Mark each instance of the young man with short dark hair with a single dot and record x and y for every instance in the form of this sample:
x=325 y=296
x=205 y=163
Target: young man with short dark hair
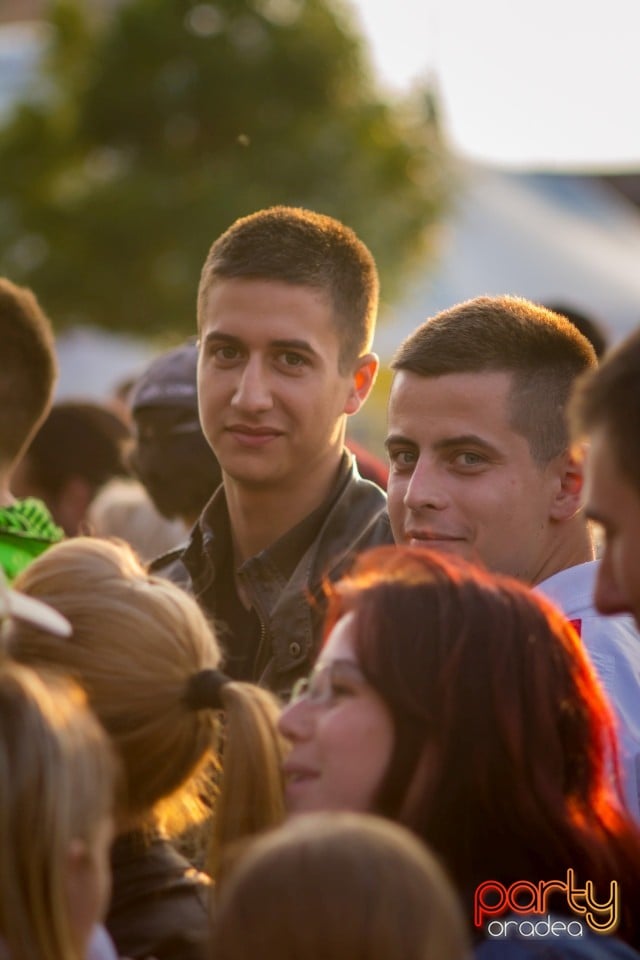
x=286 y=313
x=481 y=466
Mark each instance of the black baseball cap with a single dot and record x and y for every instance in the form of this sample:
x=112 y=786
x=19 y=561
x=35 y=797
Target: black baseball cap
x=169 y=381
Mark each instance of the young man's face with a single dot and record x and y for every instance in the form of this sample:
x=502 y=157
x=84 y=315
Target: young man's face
x=461 y=479
x=271 y=396
x=615 y=504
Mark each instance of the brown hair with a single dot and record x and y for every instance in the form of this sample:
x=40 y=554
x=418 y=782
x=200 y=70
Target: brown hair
x=542 y=351
x=338 y=886
x=57 y=776
x=298 y=246
x=504 y=741
x=138 y=642
x=610 y=397
x=29 y=368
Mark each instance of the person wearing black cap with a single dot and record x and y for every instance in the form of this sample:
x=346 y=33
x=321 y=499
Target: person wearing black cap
x=170 y=455
x=286 y=312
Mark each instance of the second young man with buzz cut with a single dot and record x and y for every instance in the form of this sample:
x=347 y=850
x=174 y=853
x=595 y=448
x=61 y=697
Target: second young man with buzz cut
x=286 y=314
x=481 y=466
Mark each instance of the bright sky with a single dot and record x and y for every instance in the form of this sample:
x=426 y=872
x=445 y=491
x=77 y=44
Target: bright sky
x=553 y=84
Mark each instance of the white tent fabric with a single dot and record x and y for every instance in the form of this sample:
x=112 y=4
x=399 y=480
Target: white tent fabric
x=542 y=236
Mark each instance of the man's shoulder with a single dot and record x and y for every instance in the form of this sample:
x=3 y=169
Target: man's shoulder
x=357 y=521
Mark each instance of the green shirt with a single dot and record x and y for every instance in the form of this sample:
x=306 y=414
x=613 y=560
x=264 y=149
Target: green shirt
x=26 y=530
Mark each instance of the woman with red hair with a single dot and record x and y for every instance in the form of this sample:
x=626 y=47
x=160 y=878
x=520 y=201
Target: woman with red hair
x=464 y=707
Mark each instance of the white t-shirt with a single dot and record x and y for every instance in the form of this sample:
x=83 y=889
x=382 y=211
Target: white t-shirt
x=613 y=645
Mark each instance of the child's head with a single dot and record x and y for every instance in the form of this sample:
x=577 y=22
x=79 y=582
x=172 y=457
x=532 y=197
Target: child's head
x=338 y=886
x=56 y=803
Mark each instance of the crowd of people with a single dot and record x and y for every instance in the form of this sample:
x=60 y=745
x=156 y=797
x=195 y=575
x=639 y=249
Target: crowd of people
x=261 y=695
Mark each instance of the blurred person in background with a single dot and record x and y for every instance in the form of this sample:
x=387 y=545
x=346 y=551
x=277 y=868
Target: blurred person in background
x=588 y=326
x=28 y=373
x=123 y=509
x=79 y=446
x=169 y=454
x=606 y=410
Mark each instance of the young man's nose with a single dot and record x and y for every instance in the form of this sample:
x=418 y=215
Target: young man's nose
x=425 y=488
x=253 y=391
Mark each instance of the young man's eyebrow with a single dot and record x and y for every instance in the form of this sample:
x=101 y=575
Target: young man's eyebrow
x=464 y=440
x=293 y=345
x=216 y=337
x=394 y=438
x=219 y=336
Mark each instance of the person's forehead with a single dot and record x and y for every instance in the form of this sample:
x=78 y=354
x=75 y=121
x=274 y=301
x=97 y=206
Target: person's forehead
x=480 y=397
x=269 y=312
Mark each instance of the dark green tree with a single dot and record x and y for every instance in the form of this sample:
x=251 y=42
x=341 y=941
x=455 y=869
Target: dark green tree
x=159 y=124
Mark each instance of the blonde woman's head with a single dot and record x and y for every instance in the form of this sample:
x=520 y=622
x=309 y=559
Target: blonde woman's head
x=138 y=644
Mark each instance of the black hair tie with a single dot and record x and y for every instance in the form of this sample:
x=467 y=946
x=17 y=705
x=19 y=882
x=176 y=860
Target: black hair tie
x=204 y=690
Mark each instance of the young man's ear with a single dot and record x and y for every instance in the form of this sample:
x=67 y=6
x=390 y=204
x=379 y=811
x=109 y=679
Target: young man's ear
x=362 y=380
x=567 y=500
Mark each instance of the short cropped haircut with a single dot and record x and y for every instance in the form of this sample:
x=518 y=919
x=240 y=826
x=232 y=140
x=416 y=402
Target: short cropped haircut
x=542 y=351
x=609 y=397
x=29 y=369
x=297 y=246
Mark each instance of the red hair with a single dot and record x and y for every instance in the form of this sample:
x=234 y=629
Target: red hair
x=504 y=741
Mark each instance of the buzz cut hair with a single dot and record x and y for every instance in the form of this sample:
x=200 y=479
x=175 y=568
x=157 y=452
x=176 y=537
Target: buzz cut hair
x=297 y=246
x=542 y=351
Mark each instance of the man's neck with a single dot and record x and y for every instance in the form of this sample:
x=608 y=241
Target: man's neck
x=575 y=547
x=260 y=516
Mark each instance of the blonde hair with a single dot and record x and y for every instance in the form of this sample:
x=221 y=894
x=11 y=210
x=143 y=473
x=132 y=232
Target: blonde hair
x=56 y=785
x=338 y=886
x=138 y=643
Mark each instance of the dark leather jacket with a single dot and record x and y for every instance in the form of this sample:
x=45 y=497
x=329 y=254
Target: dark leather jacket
x=159 y=903
x=290 y=611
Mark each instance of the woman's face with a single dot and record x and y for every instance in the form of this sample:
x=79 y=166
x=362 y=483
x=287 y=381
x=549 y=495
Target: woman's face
x=340 y=731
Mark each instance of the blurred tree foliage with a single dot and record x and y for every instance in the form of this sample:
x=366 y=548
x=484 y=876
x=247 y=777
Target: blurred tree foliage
x=159 y=124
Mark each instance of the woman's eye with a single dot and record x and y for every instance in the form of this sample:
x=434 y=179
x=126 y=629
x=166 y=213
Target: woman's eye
x=339 y=689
